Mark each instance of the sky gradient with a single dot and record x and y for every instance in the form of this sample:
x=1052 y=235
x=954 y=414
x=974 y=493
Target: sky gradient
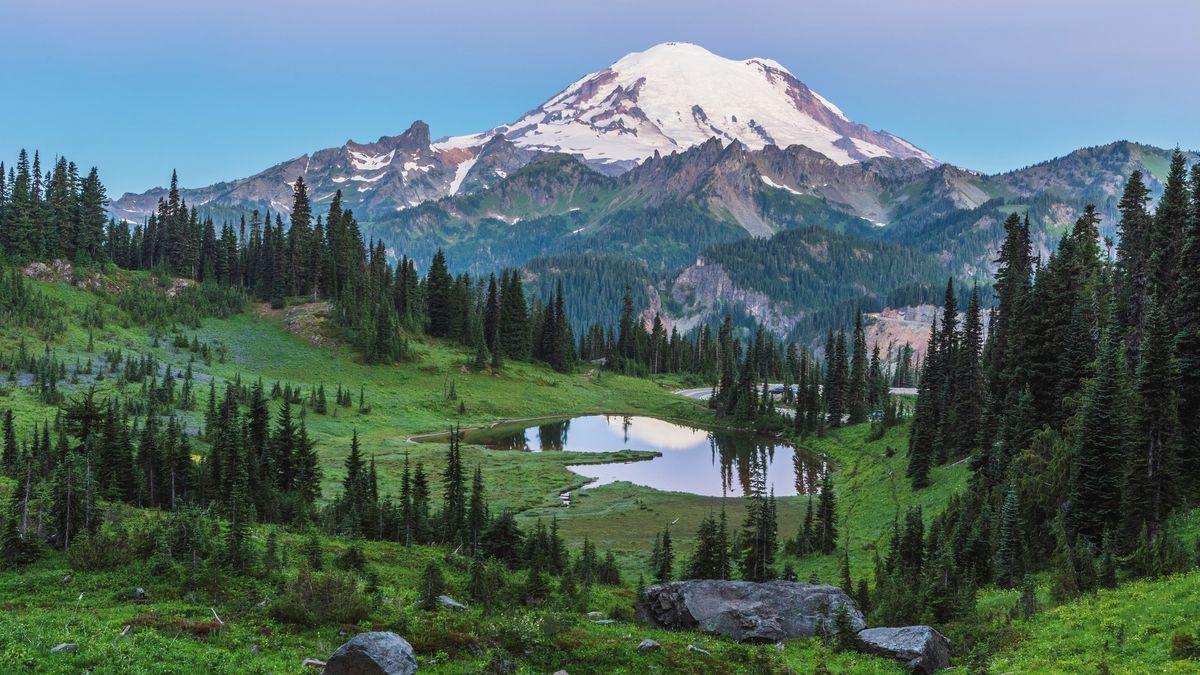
x=223 y=89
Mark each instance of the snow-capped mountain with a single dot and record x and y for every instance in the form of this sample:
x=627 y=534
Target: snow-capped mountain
x=668 y=98
x=678 y=95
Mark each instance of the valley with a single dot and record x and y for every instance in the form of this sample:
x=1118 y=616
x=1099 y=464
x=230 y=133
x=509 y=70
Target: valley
x=681 y=370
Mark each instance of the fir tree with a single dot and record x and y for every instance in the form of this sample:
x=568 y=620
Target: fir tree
x=1095 y=483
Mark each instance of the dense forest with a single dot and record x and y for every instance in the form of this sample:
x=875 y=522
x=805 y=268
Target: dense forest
x=1079 y=413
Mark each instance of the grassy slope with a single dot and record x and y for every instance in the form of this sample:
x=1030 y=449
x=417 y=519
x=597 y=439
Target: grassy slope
x=1126 y=630
x=40 y=610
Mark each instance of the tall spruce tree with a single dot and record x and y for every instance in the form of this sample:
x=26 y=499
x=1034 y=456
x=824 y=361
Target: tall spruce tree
x=1102 y=446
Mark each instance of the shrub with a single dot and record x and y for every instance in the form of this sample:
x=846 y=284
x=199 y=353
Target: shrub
x=108 y=548
x=1184 y=645
x=317 y=599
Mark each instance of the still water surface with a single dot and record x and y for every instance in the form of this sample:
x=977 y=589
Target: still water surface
x=694 y=460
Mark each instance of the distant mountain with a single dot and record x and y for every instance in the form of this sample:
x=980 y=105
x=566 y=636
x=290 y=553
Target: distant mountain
x=678 y=95
x=669 y=98
x=710 y=185
x=376 y=179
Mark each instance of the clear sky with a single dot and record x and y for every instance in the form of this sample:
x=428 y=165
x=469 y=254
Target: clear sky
x=221 y=89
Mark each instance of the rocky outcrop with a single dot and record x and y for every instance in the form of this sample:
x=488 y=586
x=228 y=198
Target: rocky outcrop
x=746 y=611
x=705 y=288
x=373 y=654
x=921 y=648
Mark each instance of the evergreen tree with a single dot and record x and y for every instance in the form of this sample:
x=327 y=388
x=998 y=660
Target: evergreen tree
x=1148 y=492
x=439 y=302
x=454 y=496
x=826 y=519
x=857 y=387
x=1008 y=565
x=665 y=560
x=1095 y=483
x=433 y=586
x=477 y=516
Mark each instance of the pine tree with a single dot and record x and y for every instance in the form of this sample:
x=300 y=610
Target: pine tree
x=1187 y=304
x=968 y=397
x=433 y=586
x=1007 y=566
x=1148 y=492
x=1133 y=260
x=477 y=516
x=1166 y=240
x=353 y=507
x=8 y=460
x=1101 y=448
x=857 y=388
x=663 y=557
x=438 y=296
x=454 y=496
x=826 y=520
x=923 y=435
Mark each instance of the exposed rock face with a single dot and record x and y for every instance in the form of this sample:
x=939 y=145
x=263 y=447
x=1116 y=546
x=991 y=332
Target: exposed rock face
x=746 y=611
x=373 y=654
x=705 y=288
x=922 y=648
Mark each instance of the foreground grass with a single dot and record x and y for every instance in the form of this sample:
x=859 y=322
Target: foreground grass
x=173 y=629
x=1124 y=630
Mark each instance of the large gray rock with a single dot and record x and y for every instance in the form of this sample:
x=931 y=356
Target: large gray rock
x=744 y=610
x=373 y=654
x=922 y=648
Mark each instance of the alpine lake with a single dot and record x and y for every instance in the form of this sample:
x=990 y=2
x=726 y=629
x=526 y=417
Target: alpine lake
x=687 y=459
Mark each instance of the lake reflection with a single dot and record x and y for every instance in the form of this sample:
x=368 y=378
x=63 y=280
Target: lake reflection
x=693 y=460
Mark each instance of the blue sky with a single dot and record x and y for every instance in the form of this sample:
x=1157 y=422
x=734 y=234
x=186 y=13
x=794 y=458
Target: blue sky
x=222 y=89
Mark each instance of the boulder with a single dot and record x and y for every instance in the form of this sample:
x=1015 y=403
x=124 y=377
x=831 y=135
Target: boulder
x=373 y=654
x=744 y=610
x=64 y=647
x=922 y=648
x=450 y=603
x=647 y=646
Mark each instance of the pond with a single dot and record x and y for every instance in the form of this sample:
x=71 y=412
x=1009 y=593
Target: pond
x=692 y=459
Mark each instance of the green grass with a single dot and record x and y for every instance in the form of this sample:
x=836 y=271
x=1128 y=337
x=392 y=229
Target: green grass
x=872 y=492
x=1126 y=630
x=173 y=631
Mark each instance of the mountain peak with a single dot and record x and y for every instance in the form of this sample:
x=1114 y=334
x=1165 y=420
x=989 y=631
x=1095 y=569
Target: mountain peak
x=677 y=95
x=667 y=99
